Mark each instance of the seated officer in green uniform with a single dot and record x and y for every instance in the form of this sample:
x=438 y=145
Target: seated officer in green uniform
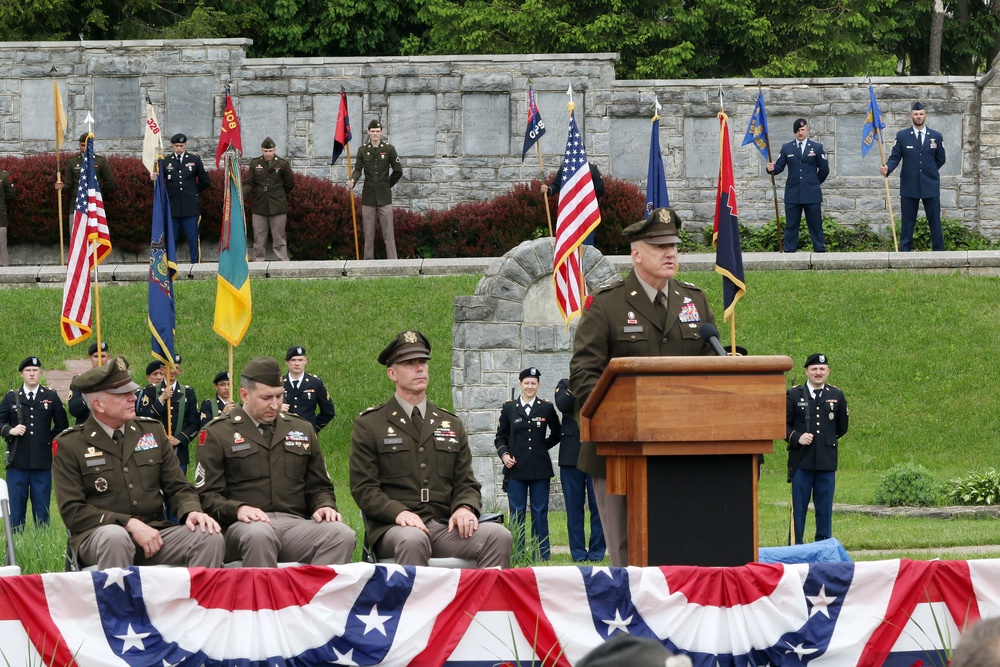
x=112 y=476
x=261 y=473
x=411 y=472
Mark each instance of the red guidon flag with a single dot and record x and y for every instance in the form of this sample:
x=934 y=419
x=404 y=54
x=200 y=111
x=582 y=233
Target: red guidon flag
x=230 y=135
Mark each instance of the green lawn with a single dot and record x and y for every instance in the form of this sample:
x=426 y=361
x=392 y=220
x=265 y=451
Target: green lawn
x=913 y=353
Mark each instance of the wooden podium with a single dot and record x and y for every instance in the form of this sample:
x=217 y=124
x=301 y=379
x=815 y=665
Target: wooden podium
x=681 y=436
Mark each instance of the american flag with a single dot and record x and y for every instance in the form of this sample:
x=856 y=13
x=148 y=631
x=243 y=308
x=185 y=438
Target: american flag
x=90 y=243
x=578 y=217
x=883 y=613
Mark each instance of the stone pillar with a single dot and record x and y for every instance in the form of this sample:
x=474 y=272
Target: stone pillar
x=988 y=165
x=510 y=323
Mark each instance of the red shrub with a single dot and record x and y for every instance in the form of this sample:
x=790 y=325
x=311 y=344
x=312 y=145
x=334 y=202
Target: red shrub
x=319 y=215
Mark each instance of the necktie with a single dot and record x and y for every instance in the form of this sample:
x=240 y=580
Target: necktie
x=417 y=419
x=920 y=137
x=816 y=394
x=661 y=310
x=119 y=438
x=801 y=148
x=268 y=432
x=527 y=409
x=296 y=384
x=31 y=396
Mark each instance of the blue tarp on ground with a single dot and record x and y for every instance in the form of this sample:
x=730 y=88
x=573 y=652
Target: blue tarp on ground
x=825 y=551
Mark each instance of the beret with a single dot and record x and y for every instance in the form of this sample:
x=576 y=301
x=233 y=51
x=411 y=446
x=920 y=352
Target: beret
x=817 y=360
x=30 y=361
x=530 y=373
x=295 y=351
x=221 y=377
x=154 y=366
x=93 y=348
x=179 y=138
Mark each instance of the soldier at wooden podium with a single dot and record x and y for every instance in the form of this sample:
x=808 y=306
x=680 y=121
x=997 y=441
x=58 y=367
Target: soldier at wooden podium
x=649 y=314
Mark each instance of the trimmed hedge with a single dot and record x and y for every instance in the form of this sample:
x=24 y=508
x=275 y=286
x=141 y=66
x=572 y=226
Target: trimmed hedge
x=319 y=216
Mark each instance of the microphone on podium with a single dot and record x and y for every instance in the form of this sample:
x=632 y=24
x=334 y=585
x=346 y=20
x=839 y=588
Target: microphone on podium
x=710 y=334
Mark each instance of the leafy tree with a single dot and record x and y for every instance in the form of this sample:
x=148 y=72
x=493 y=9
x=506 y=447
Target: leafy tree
x=658 y=39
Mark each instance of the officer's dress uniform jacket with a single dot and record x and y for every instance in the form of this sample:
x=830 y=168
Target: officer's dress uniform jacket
x=621 y=321
x=805 y=174
x=71 y=178
x=184 y=422
x=44 y=416
x=311 y=393
x=98 y=484
x=394 y=468
x=382 y=170
x=826 y=419
x=210 y=409
x=238 y=466
x=523 y=437
x=919 y=177
x=271 y=182
x=186 y=179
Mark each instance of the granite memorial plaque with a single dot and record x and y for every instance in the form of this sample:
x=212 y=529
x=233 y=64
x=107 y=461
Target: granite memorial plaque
x=261 y=117
x=948 y=125
x=552 y=106
x=189 y=107
x=486 y=124
x=847 y=160
x=119 y=110
x=630 y=147
x=38 y=112
x=412 y=126
x=325 y=109
x=701 y=147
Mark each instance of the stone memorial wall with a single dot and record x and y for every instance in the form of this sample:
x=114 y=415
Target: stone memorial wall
x=458 y=121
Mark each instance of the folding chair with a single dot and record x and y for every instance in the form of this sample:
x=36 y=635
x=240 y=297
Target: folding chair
x=368 y=553
x=10 y=567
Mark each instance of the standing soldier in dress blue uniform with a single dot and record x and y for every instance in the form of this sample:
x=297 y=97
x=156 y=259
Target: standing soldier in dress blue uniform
x=815 y=417
x=183 y=425
x=577 y=486
x=921 y=150
x=376 y=159
x=305 y=392
x=807 y=169
x=30 y=417
x=186 y=179
x=524 y=449
x=221 y=403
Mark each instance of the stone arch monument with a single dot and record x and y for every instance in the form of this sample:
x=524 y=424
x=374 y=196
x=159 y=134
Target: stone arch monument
x=510 y=323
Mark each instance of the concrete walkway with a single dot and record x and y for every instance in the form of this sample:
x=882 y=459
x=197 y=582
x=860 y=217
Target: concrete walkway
x=979 y=262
